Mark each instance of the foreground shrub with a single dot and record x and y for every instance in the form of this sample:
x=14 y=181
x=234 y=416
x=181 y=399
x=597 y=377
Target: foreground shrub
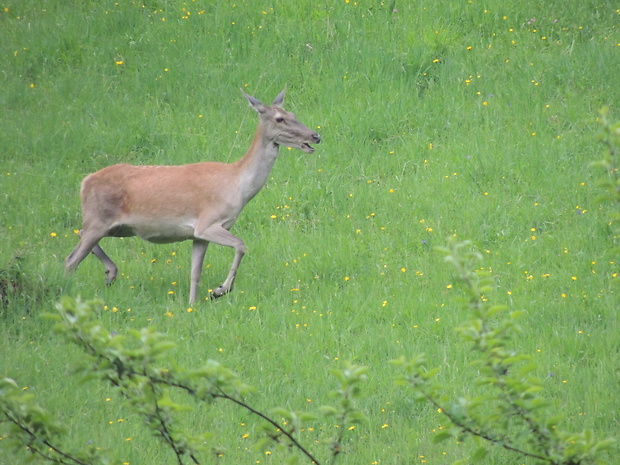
x=509 y=410
x=141 y=369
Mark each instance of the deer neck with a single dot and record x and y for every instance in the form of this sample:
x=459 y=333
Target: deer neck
x=256 y=164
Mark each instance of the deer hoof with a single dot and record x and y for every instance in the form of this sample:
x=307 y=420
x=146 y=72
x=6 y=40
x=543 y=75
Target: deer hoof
x=218 y=292
x=108 y=280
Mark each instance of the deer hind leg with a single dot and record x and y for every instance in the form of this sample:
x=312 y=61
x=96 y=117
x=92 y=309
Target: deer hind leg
x=221 y=236
x=110 y=267
x=89 y=242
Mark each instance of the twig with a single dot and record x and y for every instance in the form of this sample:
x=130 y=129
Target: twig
x=33 y=436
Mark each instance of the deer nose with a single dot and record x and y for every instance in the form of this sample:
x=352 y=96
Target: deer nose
x=316 y=138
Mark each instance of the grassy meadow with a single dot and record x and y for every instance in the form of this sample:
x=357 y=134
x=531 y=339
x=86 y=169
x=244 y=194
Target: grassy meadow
x=438 y=118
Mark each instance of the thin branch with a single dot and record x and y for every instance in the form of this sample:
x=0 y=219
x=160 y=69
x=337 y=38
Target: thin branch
x=223 y=395
x=163 y=430
x=128 y=372
x=487 y=437
x=45 y=442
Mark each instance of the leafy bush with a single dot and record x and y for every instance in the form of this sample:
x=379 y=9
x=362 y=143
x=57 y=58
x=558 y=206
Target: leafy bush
x=509 y=409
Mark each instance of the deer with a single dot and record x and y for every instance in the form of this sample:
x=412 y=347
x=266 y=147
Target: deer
x=199 y=202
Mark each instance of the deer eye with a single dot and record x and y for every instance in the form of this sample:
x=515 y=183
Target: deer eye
x=279 y=119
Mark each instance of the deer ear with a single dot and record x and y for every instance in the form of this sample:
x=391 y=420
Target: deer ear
x=279 y=99
x=254 y=103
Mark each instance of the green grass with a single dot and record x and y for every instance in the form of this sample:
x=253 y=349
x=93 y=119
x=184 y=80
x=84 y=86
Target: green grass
x=442 y=118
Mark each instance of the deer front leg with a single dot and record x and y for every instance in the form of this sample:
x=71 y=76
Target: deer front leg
x=227 y=285
x=221 y=236
x=199 y=249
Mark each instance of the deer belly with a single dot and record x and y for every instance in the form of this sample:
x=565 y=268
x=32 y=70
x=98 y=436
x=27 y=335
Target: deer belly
x=160 y=232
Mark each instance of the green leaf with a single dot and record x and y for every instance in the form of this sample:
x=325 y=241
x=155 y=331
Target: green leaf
x=442 y=436
x=307 y=416
x=166 y=402
x=328 y=410
x=479 y=454
x=282 y=412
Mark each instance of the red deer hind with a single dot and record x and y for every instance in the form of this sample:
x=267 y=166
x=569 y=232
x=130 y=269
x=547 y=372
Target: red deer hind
x=198 y=202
